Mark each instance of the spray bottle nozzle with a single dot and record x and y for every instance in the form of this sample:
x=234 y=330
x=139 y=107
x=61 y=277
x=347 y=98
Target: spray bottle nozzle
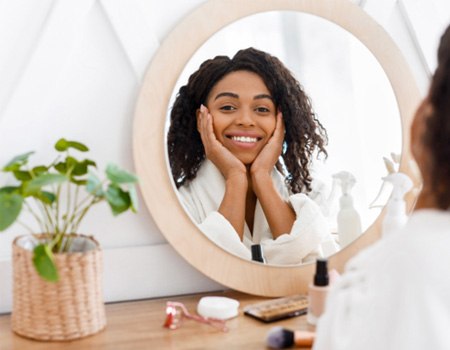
x=401 y=183
x=346 y=180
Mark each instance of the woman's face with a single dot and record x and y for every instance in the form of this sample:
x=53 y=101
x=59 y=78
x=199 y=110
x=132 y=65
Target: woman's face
x=243 y=114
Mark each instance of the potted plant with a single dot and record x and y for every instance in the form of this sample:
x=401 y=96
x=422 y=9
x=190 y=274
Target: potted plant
x=57 y=293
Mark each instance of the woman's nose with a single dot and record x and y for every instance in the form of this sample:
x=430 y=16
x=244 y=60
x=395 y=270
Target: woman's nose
x=245 y=118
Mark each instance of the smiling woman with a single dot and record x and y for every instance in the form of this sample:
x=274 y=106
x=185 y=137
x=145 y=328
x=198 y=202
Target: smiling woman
x=242 y=159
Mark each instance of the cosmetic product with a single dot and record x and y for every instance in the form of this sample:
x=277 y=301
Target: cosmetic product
x=396 y=217
x=317 y=292
x=176 y=312
x=257 y=253
x=220 y=308
x=279 y=308
x=282 y=338
x=348 y=219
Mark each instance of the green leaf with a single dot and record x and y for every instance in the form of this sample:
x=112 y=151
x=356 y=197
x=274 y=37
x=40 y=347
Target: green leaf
x=76 y=167
x=10 y=189
x=133 y=198
x=46 y=197
x=119 y=176
x=118 y=200
x=81 y=168
x=17 y=162
x=78 y=182
x=42 y=180
x=71 y=162
x=90 y=162
x=94 y=185
x=61 y=167
x=38 y=170
x=10 y=207
x=44 y=263
x=22 y=175
x=63 y=145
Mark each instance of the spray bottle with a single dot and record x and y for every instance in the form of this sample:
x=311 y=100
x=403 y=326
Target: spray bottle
x=348 y=219
x=396 y=217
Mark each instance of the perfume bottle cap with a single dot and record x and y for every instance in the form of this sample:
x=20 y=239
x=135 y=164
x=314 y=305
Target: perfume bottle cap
x=321 y=276
x=257 y=254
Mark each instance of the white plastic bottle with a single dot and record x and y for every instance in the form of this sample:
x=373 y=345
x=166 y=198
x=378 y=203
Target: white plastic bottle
x=348 y=219
x=396 y=217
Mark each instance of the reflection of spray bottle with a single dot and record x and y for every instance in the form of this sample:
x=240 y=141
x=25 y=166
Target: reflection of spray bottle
x=325 y=198
x=348 y=220
x=396 y=217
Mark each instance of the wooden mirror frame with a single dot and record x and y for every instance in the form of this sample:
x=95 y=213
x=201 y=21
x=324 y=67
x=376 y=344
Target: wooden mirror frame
x=149 y=140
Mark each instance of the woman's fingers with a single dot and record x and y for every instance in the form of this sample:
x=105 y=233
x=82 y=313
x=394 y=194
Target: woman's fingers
x=204 y=130
x=224 y=160
x=207 y=131
x=269 y=155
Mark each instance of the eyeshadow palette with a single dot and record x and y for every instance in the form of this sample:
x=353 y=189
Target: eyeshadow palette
x=278 y=309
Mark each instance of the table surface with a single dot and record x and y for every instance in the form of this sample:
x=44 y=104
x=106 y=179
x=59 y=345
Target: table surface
x=138 y=325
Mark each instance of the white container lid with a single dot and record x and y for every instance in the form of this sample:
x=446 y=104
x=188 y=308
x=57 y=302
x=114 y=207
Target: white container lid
x=220 y=308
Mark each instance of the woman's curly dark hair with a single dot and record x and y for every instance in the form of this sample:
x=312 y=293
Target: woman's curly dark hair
x=304 y=133
x=437 y=134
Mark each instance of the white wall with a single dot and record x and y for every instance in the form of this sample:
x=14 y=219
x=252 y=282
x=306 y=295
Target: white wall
x=73 y=69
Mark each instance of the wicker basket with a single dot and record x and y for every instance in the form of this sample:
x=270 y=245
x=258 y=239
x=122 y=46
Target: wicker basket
x=68 y=309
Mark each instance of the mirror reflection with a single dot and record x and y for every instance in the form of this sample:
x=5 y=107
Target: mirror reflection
x=343 y=91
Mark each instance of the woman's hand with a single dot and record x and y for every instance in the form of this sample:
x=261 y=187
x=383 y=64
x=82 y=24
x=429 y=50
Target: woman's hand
x=279 y=214
x=222 y=158
x=234 y=171
x=268 y=157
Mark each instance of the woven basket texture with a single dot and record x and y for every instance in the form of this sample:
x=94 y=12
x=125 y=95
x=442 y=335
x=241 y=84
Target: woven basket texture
x=69 y=309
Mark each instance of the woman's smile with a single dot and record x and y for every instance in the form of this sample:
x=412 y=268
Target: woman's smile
x=245 y=140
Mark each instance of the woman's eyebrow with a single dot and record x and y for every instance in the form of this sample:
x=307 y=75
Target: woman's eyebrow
x=233 y=95
x=257 y=97
x=229 y=94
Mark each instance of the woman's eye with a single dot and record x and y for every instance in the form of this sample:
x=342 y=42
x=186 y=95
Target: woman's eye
x=262 y=110
x=227 y=108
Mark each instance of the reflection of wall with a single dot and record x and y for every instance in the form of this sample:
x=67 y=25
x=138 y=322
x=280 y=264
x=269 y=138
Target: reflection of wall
x=73 y=69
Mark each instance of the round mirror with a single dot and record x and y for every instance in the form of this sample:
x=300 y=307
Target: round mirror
x=150 y=127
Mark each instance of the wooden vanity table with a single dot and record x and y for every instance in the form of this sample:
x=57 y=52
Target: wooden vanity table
x=138 y=325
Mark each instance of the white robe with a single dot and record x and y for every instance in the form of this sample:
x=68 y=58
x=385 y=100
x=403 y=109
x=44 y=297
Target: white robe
x=203 y=195
x=396 y=293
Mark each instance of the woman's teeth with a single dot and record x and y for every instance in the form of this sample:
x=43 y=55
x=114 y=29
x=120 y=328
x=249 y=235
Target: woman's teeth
x=244 y=139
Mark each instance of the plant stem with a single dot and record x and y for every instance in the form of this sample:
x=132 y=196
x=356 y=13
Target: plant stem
x=25 y=226
x=55 y=244
x=54 y=162
x=49 y=218
x=68 y=243
x=58 y=195
x=83 y=212
x=40 y=223
x=69 y=192
x=72 y=218
x=84 y=200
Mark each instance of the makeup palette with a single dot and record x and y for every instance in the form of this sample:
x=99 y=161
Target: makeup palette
x=278 y=309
